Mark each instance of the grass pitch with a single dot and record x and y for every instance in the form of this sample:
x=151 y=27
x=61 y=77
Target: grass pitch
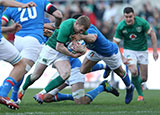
x=104 y=104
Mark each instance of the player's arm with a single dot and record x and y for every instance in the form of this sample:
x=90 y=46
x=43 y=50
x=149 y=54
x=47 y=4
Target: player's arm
x=90 y=38
x=50 y=26
x=11 y=3
x=61 y=48
x=153 y=36
x=55 y=12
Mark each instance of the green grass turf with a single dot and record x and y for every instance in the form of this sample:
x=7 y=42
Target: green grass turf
x=104 y=104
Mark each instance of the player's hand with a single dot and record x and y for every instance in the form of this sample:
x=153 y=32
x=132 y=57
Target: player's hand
x=79 y=48
x=126 y=61
x=155 y=55
x=47 y=32
x=76 y=55
x=15 y=27
x=29 y=4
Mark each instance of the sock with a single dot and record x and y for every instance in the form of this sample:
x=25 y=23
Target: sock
x=137 y=83
x=7 y=85
x=14 y=95
x=93 y=93
x=98 y=67
x=54 y=83
x=61 y=97
x=27 y=82
x=126 y=80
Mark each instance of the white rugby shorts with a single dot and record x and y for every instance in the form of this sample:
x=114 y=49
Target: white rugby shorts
x=113 y=61
x=28 y=46
x=137 y=57
x=8 y=52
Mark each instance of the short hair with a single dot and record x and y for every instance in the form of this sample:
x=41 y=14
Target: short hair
x=128 y=10
x=84 y=21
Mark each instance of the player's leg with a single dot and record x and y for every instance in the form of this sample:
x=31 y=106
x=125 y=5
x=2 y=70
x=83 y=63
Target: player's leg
x=98 y=66
x=115 y=63
x=38 y=71
x=10 y=54
x=135 y=57
x=136 y=79
x=63 y=67
x=125 y=78
x=104 y=86
x=88 y=63
x=144 y=72
x=52 y=96
x=30 y=48
x=45 y=59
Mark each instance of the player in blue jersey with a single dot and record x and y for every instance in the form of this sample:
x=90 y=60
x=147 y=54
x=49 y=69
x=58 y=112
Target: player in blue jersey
x=10 y=54
x=29 y=39
x=76 y=81
x=103 y=49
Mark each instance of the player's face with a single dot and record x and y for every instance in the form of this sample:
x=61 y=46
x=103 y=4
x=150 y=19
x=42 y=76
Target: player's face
x=129 y=18
x=79 y=29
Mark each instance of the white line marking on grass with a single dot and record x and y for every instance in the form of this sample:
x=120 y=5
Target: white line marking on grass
x=81 y=113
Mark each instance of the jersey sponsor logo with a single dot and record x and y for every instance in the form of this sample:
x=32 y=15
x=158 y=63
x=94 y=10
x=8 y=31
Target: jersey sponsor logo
x=133 y=36
x=124 y=31
x=139 y=29
x=44 y=60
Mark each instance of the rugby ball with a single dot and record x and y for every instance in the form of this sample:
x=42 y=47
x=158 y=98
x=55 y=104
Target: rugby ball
x=70 y=46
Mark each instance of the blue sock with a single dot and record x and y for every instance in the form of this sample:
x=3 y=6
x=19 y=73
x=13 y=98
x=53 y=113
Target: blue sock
x=14 y=95
x=7 y=85
x=97 y=67
x=126 y=80
x=61 y=97
x=93 y=93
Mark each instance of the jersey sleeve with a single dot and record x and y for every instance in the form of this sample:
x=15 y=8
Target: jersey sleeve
x=49 y=8
x=63 y=33
x=92 y=31
x=118 y=34
x=6 y=15
x=146 y=26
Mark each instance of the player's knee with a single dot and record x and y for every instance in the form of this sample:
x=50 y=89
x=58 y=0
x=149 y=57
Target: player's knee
x=83 y=71
x=134 y=72
x=65 y=75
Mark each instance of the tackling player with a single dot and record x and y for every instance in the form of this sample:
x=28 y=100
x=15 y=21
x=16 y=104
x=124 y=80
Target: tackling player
x=103 y=49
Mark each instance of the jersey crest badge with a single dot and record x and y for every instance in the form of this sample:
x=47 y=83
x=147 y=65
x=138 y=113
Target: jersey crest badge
x=139 y=29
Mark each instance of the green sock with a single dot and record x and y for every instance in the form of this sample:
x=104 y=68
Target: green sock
x=54 y=83
x=137 y=83
x=27 y=82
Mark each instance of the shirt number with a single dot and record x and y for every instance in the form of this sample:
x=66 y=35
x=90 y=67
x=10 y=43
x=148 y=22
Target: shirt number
x=32 y=13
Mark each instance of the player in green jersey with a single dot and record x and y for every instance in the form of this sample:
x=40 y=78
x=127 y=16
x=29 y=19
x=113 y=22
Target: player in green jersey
x=133 y=31
x=55 y=52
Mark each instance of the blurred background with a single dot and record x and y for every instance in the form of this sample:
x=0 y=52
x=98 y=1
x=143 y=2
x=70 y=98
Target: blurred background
x=105 y=14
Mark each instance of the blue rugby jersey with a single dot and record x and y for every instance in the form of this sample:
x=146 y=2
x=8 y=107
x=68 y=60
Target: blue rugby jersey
x=102 y=45
x=31 y=19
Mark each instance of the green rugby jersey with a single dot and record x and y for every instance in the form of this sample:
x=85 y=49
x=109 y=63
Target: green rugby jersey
x=134 y=36
x=63 y=34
